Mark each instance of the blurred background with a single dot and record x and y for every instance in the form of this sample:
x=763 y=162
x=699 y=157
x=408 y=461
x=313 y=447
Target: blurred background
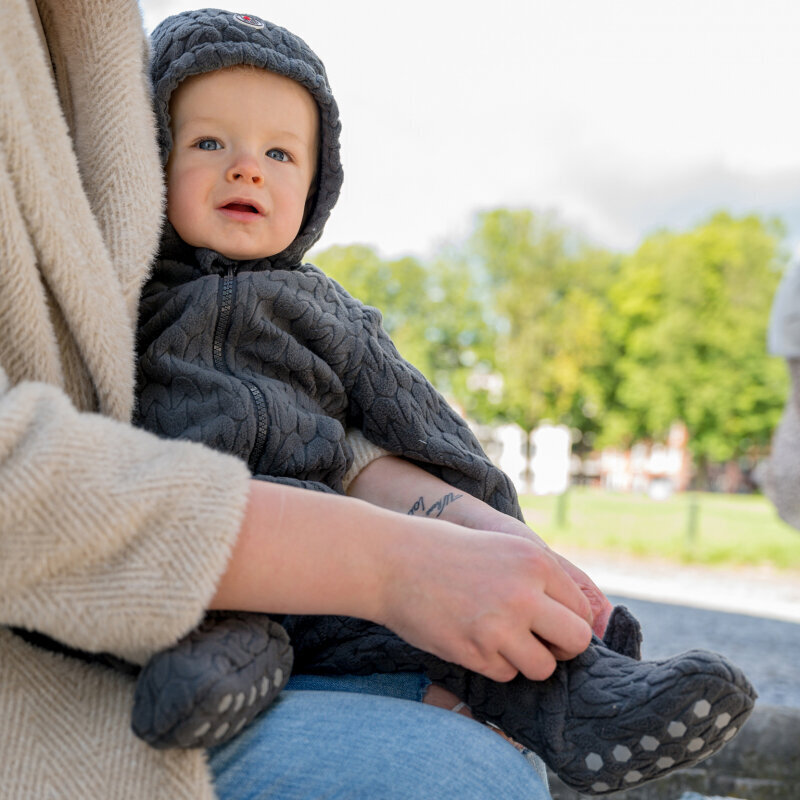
x=574 y=217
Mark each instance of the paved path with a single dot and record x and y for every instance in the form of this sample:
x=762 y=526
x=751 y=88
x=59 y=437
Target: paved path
x=768 y=650
x=751 y=616
x=758 y=592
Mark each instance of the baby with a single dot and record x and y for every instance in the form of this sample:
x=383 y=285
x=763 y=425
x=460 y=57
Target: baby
x=248 y=349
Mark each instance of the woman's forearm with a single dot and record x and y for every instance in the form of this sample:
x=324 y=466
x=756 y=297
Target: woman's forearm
x=475 y=597
x=399 y=485
x=306 y=552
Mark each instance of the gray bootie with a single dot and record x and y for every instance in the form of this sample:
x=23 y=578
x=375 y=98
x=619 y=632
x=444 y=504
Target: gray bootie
x=206 y=688
x=604 y=721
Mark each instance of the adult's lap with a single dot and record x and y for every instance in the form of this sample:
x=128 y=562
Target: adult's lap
x=348 y=744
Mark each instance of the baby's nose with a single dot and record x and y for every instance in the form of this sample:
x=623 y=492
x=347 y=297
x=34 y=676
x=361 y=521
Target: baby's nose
x=245 y=169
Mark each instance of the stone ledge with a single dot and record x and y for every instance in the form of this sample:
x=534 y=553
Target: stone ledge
x=761 y=763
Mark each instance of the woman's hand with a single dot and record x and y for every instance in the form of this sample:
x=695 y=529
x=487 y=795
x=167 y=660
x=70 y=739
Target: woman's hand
x=494 y=603
x=401 y=486
x=487 y=518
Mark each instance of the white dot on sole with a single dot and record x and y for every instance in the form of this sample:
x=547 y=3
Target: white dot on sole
x=695 y=745
x=701 y=708
x=676 y=729
x=594 y=761
x=621 y=753
x=222 y=730
x=202 y=730
x=649 y=743
x=225 y=703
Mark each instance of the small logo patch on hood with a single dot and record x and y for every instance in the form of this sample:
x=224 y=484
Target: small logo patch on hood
x=250 y=21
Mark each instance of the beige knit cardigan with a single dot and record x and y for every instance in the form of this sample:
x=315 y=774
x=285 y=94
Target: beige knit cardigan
x=110 y=539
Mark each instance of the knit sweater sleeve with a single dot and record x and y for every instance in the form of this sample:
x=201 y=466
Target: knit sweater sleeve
x=110 y=538
x=364 y=453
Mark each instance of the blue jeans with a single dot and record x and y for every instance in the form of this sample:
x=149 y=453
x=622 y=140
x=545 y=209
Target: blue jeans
x=360 y=738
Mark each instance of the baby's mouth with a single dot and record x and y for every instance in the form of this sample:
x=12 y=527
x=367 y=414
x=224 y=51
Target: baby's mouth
x=240 y=211
x=244 y=208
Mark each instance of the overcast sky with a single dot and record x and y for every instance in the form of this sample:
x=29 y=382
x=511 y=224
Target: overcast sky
x=625 y=116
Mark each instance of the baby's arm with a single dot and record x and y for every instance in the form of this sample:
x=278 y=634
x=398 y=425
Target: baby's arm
x=398 y=485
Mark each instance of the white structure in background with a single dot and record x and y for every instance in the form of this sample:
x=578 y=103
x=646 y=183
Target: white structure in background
x=547 y=466
x=542 y=468
x=512 y=455
x=552 y=448
x=507 y=447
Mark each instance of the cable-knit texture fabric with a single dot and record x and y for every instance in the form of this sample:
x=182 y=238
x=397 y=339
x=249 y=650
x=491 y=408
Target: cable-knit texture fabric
x=274 y=365
x=110 y=539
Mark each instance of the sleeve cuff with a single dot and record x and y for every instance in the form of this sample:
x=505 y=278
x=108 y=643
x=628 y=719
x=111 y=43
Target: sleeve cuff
x=364 y=453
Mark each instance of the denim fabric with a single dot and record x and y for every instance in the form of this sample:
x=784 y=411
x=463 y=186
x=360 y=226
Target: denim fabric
x=359 y=738
x=405 y=685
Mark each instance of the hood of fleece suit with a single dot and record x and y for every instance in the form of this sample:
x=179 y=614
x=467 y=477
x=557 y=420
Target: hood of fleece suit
x=201 y=41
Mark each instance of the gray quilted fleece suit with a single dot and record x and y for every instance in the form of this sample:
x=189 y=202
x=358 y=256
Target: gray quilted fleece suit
x=273 y=363
x=270 y=360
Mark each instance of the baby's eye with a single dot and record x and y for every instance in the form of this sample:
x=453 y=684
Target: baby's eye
x=209 y=144
x=278 y=155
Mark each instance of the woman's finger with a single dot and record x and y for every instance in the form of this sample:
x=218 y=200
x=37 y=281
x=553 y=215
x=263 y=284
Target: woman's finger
x=531 y=657
x=565 y=633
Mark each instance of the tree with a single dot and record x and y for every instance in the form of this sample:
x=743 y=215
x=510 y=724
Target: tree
x=430 y=311
x=689 y=317
x=548 y=289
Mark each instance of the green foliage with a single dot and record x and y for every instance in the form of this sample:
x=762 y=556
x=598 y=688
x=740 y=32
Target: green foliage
x=549 y=290
x=526 y=322
x=430 y=312
x=688 y=317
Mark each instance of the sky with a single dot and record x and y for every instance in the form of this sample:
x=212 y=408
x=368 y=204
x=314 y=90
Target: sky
x=622 y=116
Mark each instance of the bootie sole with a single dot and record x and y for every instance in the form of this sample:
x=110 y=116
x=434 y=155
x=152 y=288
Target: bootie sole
x=213 y=683
x=631 y=722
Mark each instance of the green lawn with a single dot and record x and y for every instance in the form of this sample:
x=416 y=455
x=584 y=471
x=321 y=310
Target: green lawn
x=728 y=529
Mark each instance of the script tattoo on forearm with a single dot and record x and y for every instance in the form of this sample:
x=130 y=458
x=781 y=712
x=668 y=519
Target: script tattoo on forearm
x=436 y=509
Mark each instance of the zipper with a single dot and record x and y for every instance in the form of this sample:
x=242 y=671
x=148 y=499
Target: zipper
x=261 y=424
x=225 y=300
x=227 y=294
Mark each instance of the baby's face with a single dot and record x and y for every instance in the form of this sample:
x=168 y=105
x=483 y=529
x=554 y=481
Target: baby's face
x=243 y=157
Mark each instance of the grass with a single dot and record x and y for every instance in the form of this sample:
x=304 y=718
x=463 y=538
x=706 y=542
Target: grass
x=728 y=530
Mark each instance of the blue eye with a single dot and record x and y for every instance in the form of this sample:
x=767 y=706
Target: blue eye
x=278 y=155
x=209 y=144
